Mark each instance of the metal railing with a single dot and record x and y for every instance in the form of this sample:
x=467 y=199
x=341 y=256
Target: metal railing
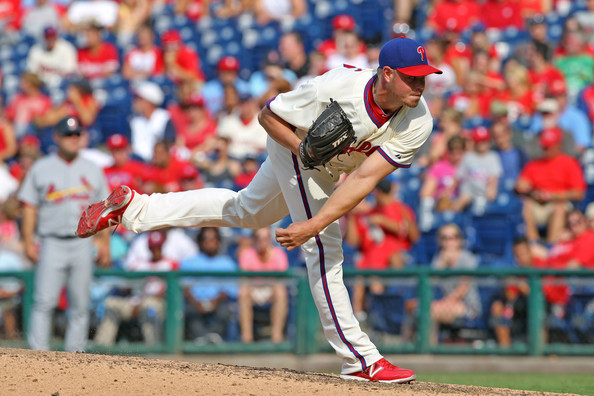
x=307 y=338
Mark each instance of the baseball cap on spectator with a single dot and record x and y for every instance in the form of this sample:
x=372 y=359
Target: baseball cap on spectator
x=548 y=106
x=196 y=100
x=50 y=31
x=228 y=63
x=343 y=22
x=30 y=140
x=536 y=19
x=150 y=92
x=407 y=56
x=117 y=141
x=156 y=239
x=550 y=137
x=171 y=38
x=189 y=172
x=68 y=126
x=480 y=134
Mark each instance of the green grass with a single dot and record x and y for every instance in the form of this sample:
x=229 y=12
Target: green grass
x=582 y=384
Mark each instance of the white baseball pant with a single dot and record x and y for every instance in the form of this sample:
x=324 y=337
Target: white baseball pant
x=280 y=187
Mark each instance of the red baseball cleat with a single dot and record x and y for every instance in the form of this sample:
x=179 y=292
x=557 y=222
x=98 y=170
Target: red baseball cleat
x=106 y=213
x=382 y=371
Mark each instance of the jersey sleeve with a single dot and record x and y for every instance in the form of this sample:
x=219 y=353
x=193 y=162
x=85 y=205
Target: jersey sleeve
x=401 y=149
x=298 y=107
x=28 y=193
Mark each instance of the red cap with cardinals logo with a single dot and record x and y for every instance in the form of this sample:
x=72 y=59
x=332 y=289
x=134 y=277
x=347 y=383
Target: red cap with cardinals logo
x=407 y=56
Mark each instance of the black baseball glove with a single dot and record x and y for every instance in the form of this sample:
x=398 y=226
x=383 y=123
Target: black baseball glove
x=330 y=134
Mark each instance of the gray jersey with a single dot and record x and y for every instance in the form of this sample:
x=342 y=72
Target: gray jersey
x=61 y=190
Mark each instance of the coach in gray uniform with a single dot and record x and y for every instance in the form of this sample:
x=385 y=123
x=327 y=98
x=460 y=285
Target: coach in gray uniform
x=54 y=193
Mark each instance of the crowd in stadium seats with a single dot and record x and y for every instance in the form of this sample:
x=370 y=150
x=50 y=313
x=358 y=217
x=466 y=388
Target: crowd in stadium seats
x=169 y=92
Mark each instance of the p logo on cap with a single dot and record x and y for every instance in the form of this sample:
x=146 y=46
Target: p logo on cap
x=407 y=56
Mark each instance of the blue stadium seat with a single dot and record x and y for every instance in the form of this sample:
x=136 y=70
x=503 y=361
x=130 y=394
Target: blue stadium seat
x=387 y=313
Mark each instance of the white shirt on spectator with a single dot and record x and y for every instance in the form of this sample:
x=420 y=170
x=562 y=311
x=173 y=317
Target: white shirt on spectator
x=103 y=12
x=147 y=132
x=53 y=66
x=178 y=246
x=244 y=139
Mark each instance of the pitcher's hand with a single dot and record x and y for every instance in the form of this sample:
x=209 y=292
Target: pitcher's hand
x=295 y=235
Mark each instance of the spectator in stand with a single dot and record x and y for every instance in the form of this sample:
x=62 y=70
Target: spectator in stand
x=585 y=19
x=145 y=60
x=453 y=15
x=145 y=302
x=341 y=25
x=450 y=125
x=439 y=192
x=502 y=14
x=29 y=150
x=384 y=233
x=178 y=246
x=478 y=173
x=538 y=30
x=165 y=172
x=266 y=257
x=213 y=90
x=246 y=135
x=267 y=11
x=292 y=52
x=347 y=52
x=219 y=169
x=8 y=140
x=570 y=118
x=79 y=103
x=125 y=170
x=54 y=59
x=132 y=16
x=509 y=316
x=11 y=13
x=542 y=72
x=473 y=100
x=547 y=186
x=181 y=62
x=459 y=297
x=513 y=159
x=99 y=58
x=590 y=215
x=190 y=178
x=197 y=134
x=272 y=79
x=36 y=18
x=249 y=168
x=438 y=85
x=194 y=10
x=317 y=67
x=518 y=94
x=582 y=238
x=28 y=104
x=151 y=123
x=574 y=60
x=103 y=13
x=208 y=310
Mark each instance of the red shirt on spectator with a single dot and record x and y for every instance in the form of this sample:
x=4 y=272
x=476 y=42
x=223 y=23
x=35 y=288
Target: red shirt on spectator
x=376 y=254
x=150 y=61
x=501 y=14
x=23 y=108
x=583 y=249
x=130 y=174
x=11 y=13
x=542 y=81
x=454 y=16
x=518 y=106
x=167 y=178
x=99 y=64
x=560 y=173
x=462 y=100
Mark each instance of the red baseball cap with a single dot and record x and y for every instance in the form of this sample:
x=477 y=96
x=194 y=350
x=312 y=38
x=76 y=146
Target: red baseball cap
x=30 y=140
x=343 y=22
x=117 y=141
x=189 y=172
x=407 y=56
x=550 y=137
x=196 y=100
x=171 y=37
x=228 y=63
x=481 y=134
x=50 y=31
x=156 y=239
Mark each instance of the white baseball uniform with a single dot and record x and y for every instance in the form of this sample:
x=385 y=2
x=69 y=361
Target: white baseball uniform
x=282 y=187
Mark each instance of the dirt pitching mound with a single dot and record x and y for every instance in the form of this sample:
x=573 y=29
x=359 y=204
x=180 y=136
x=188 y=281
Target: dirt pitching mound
x=25 y=372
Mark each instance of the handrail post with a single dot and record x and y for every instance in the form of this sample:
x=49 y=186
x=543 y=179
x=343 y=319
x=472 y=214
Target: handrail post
x=174 y=314
x=535 y=316
x=423 y=312
x=305 y=340
x=29 y=283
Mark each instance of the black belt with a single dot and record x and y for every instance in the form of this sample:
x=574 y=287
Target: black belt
x=73 y=236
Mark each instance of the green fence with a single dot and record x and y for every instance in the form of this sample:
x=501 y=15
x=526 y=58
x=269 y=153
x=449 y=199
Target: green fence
x=307 y=337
